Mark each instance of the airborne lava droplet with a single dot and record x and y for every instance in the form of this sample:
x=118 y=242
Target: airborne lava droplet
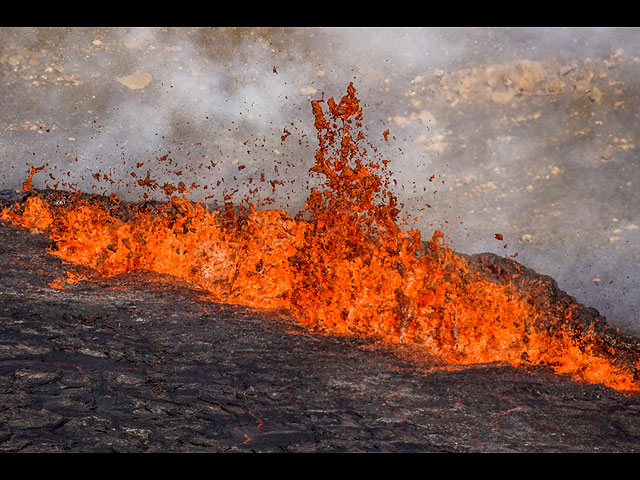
x=343 y=265
x=27 y=186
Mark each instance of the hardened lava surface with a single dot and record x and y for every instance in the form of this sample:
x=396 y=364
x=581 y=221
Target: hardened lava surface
x=143 y=363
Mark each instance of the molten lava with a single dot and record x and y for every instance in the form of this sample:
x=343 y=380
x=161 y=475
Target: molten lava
x=341 y=266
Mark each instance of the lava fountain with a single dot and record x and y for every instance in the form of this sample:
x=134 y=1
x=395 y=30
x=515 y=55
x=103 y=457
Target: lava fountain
x=344 y=265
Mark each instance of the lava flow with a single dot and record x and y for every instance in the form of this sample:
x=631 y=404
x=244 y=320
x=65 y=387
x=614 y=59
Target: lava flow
x=343 y=265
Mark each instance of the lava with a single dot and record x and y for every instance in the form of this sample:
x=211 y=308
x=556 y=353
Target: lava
x=343 y=265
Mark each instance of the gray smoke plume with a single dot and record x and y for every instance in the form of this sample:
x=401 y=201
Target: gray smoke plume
x=529 y=133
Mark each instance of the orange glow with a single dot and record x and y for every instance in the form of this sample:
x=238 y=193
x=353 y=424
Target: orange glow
x=342 y=266
x=27 y=186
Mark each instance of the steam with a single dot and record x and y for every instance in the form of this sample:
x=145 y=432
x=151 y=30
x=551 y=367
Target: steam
x=526 y=132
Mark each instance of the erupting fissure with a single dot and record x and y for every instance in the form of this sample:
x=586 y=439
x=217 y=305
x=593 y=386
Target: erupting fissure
x=343 y=265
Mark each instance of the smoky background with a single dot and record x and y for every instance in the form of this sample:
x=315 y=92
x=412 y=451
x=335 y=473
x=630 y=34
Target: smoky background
x=529 y=133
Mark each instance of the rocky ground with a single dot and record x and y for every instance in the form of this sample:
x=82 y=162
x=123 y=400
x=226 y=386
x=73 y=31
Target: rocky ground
x=530 y=133
x=138 y=363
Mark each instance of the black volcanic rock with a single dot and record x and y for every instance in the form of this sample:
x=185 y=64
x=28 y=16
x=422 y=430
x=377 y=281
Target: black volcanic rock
x=146 y=363
x=585 y=323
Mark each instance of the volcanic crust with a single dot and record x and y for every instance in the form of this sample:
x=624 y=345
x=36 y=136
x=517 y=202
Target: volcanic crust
x=144 y=362
x=585 y=324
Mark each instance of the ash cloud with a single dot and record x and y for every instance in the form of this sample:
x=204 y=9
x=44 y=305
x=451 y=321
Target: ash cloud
x=526 y=132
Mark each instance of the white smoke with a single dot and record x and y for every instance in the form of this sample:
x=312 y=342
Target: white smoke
x=526 y=132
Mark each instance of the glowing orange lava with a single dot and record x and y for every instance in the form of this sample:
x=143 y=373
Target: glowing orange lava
x=342 y=266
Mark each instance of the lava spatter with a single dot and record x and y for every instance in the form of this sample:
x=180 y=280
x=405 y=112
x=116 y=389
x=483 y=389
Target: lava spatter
x=342 y=266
